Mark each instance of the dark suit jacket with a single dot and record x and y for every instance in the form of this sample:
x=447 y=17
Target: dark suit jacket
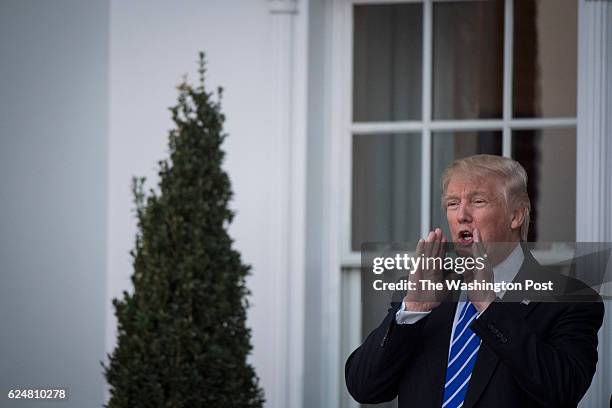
x=540 y=354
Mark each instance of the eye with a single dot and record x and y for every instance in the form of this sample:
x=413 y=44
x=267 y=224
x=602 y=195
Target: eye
x=452 y=204
x=479 y=201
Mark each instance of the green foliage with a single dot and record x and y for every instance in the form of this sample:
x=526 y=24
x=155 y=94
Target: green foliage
x=182 y=339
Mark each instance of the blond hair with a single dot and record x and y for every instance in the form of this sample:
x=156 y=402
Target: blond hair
x=512 y=174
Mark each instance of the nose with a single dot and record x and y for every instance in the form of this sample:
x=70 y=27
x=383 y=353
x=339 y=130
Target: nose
x=463 y=214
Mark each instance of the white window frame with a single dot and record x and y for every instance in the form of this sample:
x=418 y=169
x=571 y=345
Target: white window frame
x=427 y=124
x=342 y=297
x=593 y=180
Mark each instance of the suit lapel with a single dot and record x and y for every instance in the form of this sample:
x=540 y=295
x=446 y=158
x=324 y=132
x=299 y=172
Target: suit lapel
x=487 y=360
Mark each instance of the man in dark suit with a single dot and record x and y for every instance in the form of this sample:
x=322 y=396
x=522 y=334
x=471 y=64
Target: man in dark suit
x=480 y=348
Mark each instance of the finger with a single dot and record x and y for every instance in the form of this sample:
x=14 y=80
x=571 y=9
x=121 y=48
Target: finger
x=442 y=246
x=415 y=274
x=439 y=272
x=435 y=247
x=480 y=252
x=420 y=247
x=443 y=242
x=428 y=243
x=478 y=244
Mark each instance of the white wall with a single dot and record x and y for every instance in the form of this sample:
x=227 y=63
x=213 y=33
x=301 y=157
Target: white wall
x=53 y=172
x=152 y=44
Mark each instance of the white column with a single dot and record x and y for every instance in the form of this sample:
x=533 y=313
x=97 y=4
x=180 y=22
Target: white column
x=594 y=159
x=289 y=53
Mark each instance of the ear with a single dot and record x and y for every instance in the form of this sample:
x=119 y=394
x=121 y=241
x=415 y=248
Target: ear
x=518 y=216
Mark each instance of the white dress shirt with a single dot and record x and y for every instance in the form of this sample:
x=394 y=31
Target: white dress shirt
x=504 y=271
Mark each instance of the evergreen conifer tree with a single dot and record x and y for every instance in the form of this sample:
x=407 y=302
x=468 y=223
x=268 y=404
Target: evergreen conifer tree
x=182 y=339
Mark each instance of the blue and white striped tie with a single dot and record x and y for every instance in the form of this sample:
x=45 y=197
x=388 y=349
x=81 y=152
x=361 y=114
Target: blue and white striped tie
x=461 y=359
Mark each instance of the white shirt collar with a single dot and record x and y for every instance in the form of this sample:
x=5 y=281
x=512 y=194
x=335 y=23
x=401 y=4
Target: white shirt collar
x=506 y=270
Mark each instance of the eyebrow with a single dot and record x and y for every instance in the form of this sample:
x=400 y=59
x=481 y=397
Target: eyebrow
x=470 y=195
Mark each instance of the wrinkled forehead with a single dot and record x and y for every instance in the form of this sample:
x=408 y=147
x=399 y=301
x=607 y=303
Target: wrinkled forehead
x=462 y=183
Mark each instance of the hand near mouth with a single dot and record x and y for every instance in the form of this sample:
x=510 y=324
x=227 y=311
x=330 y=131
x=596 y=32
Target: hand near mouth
x=481 y=299
x=420 y=300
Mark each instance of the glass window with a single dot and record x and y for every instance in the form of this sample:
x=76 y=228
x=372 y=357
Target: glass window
x=467 y=84
x=545 y=58
x=387 y=54
x=549 y=157
x=468 y=58
x=466 y=65
x=386 y=197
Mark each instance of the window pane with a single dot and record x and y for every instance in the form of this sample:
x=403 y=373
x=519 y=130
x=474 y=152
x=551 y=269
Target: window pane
x=549 y=157
x=545 y=37
x=387 y=62
x=386 y=188
x=449 y=146
x=468 y=42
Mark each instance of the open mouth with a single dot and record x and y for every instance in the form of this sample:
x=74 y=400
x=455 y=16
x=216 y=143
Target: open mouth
x=466 y=237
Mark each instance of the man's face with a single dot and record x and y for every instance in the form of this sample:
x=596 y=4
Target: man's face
x=479 y=204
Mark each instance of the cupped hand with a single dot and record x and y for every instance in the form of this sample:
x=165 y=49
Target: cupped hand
x=419 y=299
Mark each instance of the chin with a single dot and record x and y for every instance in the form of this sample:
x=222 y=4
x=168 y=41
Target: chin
x=463 y=249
